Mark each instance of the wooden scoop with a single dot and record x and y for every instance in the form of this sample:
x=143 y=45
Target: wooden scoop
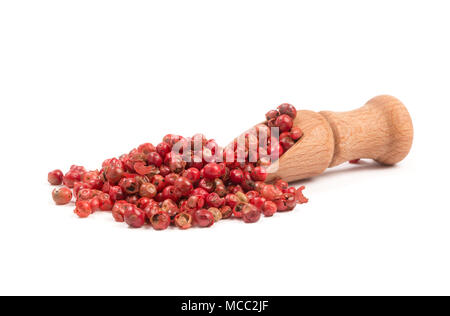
x=381 y=130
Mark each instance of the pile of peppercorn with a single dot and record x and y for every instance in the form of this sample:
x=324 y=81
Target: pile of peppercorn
x=189 y=181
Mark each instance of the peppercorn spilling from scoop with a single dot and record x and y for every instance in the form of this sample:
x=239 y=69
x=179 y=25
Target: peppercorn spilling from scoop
x=188 y=182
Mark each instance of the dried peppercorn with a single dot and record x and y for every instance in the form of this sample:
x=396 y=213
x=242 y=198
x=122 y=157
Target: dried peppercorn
x=203 y=218
x=55 y=177
x=250 y=213
x=269 y=208
x=62 y=196
x=226 y=211
x=148 y=190
x=118 y=210
x=183 y=220
x=237 y=210
x=83 y=209
x=160 y=220
x=216 y=213
x=134 y=217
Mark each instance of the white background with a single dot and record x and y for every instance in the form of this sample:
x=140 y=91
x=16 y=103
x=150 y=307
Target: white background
x=81 y=81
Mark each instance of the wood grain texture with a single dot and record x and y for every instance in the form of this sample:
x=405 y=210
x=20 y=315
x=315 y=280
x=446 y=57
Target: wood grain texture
x=381 y=130
x=311 y=155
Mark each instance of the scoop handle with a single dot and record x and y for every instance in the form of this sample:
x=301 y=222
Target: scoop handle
x=381 y=130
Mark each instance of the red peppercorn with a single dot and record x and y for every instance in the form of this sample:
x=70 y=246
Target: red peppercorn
x=159 y=182
x=259 y=174
x=203 y=218
x=163 y=149
x=237 y=176
x=282 y=185
x=290 y=201
x=288 y=109
x=237 y=210
x=129 y=185
x=114 y=174
x=183 y=220
x=170 y=207
x=286 y=141
x=151 y=209
x=207 y=184
x=216 y=213
x=296 y=133
x=95 y=204
x=171 y=178
x=272 y=114
x=71 y=177
x=214 y=200
x=231 y=200
x=84 y=194
x=184 y=186
x=62 y=195
x=258 y=202
x=143 y=202
x=281 y=204
x=146 y=148
x=212 y=171
x=221 y=190
x=134 y=217
x=195 y=202
x=171 y=192
x=155 y=159
x=106 y=204
x=269 y=208
x=160 y=220
x=164 y=170
x=148 y=190
x=116 y=193
x=284 y=123
x=55 y=177
x=83 y=209
x=118 y=210
x=271 y=192
x=226 y=211
x=132 y=199
x=250 y=213
x=192 y=174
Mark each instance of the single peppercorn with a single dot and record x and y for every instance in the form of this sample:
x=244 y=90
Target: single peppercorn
x=237 y=176
x=226 y=211
x=62 y=195
x=284 y=123
x=296 y=133
x=216 y=213
x=129 y=185
x=83 y=209
x=269 y=208
x=259 y=174
x=160 y=220
x=148 y=190
x=55 y=177
x=272 y=114
x=134 y=217
x=288 y=109
x=183 y=220
x=214 y=200
x=250 y=213
x=184 y=186
x=212 y=171
x=203 y=218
